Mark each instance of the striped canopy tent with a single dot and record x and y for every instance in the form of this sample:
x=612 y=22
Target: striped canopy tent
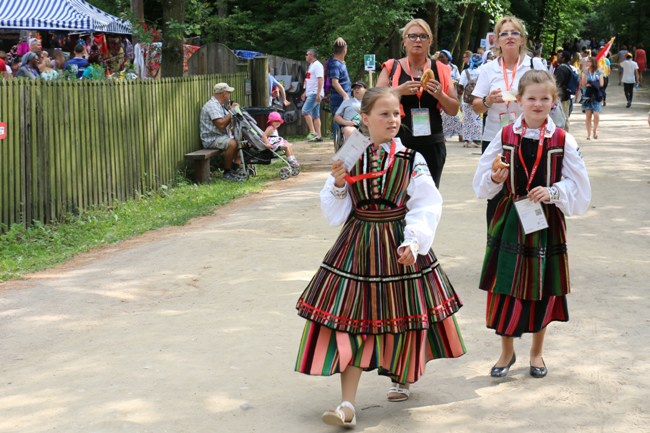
x=70 y=15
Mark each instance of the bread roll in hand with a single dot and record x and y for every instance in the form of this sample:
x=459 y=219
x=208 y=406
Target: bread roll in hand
x=428 y=75
x=499 y=163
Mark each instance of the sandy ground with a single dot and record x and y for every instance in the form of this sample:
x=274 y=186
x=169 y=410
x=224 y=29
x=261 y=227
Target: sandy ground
x=193 y=329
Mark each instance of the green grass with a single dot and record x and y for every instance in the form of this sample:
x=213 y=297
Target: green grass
x=45 y=245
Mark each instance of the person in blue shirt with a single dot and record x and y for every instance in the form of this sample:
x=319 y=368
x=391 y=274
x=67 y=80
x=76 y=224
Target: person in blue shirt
x=78 y=63
x=337 y=72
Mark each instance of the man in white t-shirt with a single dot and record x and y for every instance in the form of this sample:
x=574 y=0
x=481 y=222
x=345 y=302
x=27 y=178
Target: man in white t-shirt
x=630 y=77
x=313 y=94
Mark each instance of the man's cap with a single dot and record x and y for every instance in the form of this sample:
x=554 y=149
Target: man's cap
x=629 y=55
x=448 y=54
x=223 y=87
x=359 y=84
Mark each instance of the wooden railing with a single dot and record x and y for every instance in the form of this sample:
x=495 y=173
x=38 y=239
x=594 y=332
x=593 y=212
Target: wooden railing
x=73 y=145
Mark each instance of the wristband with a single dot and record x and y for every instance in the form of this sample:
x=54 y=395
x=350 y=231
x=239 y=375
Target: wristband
x=485 y=102
x=553 y=193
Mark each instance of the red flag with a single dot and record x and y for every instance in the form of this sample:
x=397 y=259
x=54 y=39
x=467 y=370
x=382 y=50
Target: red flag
x=604 y=50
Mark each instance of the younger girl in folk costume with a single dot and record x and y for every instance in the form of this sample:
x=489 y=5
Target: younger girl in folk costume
x=526 y=275
x=380 y=299
x=273 y=139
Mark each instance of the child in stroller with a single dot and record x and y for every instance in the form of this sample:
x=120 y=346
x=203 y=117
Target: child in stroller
x=254 y=145
x=275 y=142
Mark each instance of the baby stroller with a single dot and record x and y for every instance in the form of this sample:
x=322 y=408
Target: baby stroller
x=252 y=148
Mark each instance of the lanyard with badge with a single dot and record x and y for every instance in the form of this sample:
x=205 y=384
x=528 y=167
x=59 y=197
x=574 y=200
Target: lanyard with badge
x=508 y=117
x=421 y=125
x=531 y=215
x=374 y=174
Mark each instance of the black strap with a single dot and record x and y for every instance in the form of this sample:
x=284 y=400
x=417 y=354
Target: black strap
x=392 y=72
x=435 y=69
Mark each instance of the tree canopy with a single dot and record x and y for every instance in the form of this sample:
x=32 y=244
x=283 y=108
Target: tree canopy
x=286 y=28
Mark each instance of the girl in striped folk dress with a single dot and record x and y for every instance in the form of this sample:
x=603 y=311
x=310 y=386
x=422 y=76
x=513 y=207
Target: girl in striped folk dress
x=380 y=299
x=526 y=276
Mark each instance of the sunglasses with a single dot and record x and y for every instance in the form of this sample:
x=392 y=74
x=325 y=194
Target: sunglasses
x=415 y=36
x=514 y=33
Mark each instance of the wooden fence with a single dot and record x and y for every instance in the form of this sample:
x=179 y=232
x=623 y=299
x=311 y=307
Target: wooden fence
x=73 y=145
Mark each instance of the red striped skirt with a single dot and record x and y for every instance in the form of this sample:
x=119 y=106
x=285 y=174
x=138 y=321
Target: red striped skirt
x=365 y=309
x=402 y=357
x=512 y=317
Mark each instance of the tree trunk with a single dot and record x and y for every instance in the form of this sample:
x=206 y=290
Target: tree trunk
x=433 y=23
x=467 y=30
x=483 y=28
x=458 y=26
x=137 y=8
x=173 y=38
x=222 y=11
x=540 y=28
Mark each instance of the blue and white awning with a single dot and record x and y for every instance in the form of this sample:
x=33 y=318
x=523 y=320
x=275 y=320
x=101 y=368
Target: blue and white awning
x=71 y=15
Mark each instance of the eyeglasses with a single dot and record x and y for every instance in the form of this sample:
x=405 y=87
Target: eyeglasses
x=415 y=36
x=514 y=33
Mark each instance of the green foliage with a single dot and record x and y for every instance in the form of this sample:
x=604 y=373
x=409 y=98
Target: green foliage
x=42 y=246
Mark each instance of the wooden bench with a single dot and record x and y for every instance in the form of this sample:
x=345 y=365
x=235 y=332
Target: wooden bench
x=201 y=160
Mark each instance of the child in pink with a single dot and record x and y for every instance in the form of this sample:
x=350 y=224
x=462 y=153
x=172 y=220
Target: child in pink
x=274 y=141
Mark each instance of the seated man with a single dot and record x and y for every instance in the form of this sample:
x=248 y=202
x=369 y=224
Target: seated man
x=216 y=131
x=347 y=114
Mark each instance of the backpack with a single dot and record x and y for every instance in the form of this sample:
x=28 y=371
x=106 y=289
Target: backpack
x=574 y=81
x=327 y=83
x=469 y=88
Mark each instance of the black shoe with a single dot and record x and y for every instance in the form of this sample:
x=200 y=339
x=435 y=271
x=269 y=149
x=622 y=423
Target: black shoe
x=503 y=371
x=538 y=372
x=628 y=105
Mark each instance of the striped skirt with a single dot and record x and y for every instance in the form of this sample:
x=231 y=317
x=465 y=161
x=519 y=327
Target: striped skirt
x=402 y=357
x=365 y=309
x=512 y=317
x=525 y=266
x=526 y=276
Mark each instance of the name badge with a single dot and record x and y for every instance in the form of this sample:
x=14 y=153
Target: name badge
x=421 y=124
x=506 y=119
x=531 y=215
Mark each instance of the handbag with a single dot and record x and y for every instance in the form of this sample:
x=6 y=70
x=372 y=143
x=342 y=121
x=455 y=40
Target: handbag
x=558 y=115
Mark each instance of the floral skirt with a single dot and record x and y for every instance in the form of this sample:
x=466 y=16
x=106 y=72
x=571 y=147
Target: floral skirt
x=472 y=124
x=450 y=124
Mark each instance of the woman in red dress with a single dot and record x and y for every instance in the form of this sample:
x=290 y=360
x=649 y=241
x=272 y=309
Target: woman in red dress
x=639 y=58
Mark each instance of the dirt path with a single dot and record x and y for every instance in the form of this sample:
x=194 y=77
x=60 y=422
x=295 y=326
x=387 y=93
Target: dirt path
x=193 y=329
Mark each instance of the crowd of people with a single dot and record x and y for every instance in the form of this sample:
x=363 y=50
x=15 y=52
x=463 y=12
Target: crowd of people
x=67 y=56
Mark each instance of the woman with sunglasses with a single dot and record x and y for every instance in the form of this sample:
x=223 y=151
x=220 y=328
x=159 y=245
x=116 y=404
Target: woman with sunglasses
x=494 y=93
x=420 y=105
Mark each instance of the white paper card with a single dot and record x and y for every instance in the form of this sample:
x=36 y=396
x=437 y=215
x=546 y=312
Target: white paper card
x=421 y=123
x=352 y=149
x=531 y=215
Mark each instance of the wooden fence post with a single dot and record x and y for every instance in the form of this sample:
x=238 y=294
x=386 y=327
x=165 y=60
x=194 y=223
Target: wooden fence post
x=260 y=81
